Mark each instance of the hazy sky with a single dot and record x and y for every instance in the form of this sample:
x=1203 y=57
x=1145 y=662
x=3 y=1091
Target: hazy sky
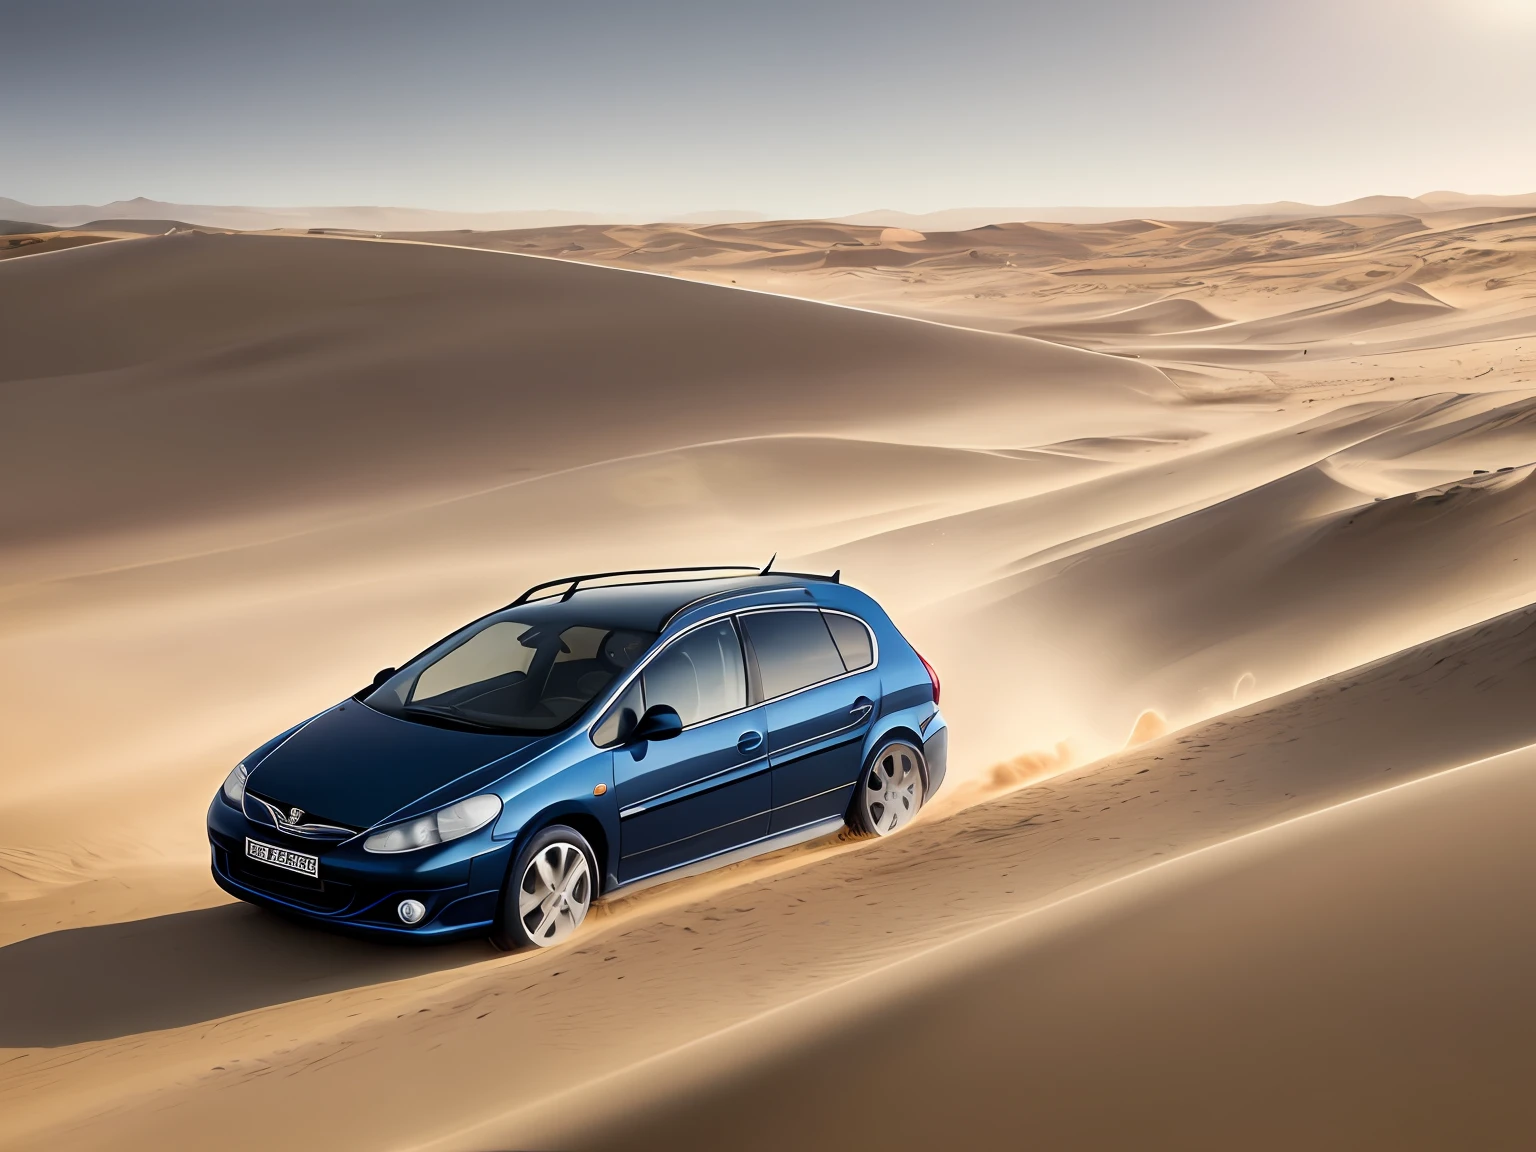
x=784 y=107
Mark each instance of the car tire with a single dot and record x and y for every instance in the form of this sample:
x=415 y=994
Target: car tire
x=549 y=890
x=890 y=790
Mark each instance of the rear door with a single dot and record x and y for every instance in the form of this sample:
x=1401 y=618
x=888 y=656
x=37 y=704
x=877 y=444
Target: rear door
x=819 y=707
x=706 y=790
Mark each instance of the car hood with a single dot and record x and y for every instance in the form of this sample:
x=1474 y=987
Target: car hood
x=356 y=766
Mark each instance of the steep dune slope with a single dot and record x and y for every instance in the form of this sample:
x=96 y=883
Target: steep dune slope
x=203 y=376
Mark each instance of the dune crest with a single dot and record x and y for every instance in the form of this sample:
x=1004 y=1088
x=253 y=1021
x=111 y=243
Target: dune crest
x=1151 y=724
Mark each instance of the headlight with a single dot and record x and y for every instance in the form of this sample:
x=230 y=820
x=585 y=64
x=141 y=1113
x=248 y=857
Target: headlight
x=437 y=828
x=234 y=785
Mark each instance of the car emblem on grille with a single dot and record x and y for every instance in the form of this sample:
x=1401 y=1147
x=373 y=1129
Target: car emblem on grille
x=295 y=815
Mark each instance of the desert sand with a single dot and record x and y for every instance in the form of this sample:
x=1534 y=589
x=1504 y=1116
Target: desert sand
x=1210 y=528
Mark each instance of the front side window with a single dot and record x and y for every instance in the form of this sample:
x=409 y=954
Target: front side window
x=701 y=675
x=793 y=650
x=513 y=675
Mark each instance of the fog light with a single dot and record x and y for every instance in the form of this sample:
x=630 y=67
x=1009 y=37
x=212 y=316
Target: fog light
x=411 y=911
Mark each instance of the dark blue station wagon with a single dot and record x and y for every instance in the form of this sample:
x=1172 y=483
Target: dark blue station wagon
x=599 y=732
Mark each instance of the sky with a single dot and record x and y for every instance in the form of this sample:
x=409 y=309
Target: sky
x=785 y=108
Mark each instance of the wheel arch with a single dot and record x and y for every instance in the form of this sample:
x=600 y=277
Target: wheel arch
x=907 y=734
x=573 y=816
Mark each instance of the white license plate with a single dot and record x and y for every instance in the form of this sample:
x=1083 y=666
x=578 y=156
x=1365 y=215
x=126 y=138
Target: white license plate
x=282 y=858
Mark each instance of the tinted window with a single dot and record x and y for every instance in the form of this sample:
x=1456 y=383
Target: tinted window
x=496 y=652
x=515 y=675
x=793 y=649
x=701 y=675
x=852 y=639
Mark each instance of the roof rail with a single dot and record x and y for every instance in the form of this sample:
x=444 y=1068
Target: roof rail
x=575 y=582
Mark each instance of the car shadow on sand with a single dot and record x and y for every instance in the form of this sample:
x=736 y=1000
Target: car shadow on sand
x=112 y=980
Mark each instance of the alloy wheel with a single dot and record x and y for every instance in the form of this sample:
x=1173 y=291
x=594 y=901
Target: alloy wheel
x=555 y=893
x=892 y=789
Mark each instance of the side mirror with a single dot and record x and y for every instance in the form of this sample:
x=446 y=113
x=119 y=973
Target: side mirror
x=660 y=722
x=382 y=675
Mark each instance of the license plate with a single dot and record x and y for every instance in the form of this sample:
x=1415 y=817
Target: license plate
x=282 y=858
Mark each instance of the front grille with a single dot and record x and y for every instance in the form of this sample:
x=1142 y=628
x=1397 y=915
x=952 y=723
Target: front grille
x=319 y=895
x=270 y=813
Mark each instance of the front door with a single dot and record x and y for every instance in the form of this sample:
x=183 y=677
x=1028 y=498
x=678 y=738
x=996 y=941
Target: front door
x=706 y=790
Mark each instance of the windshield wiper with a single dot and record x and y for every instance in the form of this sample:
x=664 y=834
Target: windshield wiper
x=449 y=712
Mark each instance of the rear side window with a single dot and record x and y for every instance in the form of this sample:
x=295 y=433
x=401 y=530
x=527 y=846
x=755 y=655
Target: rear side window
x=793 y=650
x=852 y=639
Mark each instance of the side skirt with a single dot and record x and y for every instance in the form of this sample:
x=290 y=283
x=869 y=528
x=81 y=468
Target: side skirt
x=732 y=856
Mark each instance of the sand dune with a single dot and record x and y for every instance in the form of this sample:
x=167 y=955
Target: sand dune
x=1281 y=273
x=1262 y=482
x=32 y=240
x=279 y=369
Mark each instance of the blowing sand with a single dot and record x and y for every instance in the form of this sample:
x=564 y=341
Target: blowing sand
x=1250 y=497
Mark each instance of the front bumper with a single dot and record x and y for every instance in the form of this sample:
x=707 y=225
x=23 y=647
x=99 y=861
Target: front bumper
x=460 y=883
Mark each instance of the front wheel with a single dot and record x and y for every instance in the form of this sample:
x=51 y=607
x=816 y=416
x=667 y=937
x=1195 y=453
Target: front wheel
x=548 y=891
x=890 y=791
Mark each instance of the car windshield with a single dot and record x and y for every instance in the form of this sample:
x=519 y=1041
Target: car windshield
x=515 y=675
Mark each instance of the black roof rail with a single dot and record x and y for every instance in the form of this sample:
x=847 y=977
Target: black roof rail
x=575 y=582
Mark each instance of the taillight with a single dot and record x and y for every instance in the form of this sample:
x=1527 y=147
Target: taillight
x=932 y=676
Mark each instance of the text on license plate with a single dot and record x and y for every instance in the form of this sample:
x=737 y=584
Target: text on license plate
x=282 y=858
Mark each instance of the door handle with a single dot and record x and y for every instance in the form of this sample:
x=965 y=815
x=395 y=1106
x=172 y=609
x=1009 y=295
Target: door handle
x=749 y=742
x=862 y=707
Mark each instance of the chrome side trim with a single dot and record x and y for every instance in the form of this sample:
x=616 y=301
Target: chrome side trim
x=817 y=795
x=740 y=594
x=824 y=735
x=683 y=791
x=696 y=835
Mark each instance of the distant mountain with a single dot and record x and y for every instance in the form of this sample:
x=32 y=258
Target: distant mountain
x=960 y=219
x=383 y=219
x=362 y=218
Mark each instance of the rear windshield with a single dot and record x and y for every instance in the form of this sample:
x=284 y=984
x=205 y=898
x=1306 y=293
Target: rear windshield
x=513 y=675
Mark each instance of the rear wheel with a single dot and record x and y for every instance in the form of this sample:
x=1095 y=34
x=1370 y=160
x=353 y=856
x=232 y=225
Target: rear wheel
x=890 y=791
x=548 y=891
